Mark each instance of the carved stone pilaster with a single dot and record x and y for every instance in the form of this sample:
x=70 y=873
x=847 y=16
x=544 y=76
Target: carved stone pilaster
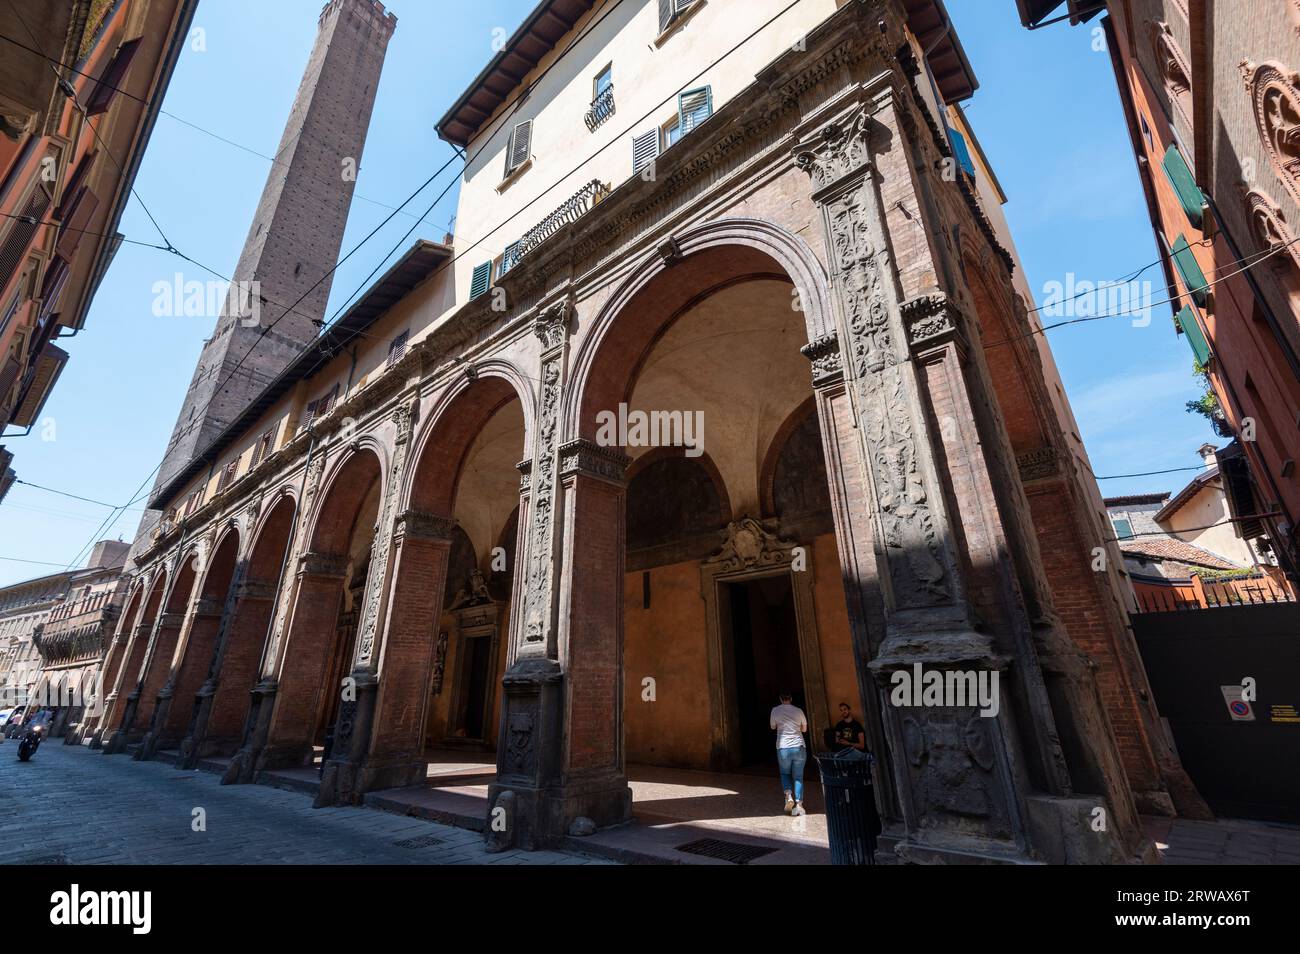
x=589 y=458
x=404 y=421
x=824 y=353
x=552 y=328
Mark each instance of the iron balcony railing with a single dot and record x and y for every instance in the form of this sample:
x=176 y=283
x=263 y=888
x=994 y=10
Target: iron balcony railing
x=573 y=209
x=602 y=107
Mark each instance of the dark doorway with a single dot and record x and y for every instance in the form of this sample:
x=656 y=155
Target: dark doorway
x=477 y=672
x=765 y=645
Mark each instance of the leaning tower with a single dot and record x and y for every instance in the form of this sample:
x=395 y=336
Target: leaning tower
x=295 y=236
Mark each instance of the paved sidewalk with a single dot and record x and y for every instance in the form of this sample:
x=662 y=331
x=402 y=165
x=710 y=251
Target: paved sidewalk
x=1226 y=841
x=70 y=805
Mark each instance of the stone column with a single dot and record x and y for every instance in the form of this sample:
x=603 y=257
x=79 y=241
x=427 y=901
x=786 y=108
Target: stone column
x=221 y=698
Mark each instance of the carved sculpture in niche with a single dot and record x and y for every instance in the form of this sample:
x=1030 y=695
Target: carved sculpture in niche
x=1174 y=70
x=1273 y=93
x=473 y=593
x=954 y=758
x=1270 y=231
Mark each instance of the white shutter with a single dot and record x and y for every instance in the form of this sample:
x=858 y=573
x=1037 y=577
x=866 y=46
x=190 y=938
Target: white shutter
x=695 y=106
x=644 y=150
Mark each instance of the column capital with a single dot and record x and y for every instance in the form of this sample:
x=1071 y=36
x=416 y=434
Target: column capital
x=582 y=456
x=551 y=324
x=824 y=353
x=209 y=606
x=254 y=590
x=932 y=319
x=316 y=563
x=171 y=619
x=418 y=525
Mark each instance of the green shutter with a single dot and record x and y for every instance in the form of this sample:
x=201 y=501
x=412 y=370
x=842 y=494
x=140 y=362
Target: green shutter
x=1187 y=267
x=1195 y=337
x=1184 y=183
x=481 y=280
x=693 y=107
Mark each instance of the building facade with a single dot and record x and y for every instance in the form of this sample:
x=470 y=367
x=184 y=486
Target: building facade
x=742 y=402
x=80 y=86
x=1209 y=93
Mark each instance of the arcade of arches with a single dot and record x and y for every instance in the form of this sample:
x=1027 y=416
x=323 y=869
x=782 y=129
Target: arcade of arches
x=473 y=568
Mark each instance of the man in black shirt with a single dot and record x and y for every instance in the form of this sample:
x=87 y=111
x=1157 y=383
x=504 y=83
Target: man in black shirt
x=849 y=733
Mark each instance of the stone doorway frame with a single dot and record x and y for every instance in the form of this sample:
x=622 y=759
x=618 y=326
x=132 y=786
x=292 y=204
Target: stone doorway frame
x=753 y=551
x=475 y=621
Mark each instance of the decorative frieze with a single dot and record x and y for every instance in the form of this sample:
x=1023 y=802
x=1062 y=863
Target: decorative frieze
x=750 y=543
x=417 y=525
x=1039 y=464
x=930 y=320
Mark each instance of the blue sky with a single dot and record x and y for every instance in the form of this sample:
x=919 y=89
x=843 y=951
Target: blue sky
x=1046 y=113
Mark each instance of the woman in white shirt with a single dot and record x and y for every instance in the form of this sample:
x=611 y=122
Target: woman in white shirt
x=790 y=724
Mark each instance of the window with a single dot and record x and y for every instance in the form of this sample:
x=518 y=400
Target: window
x=112 y=79
x=509 y=258
x=519 y=146
x=1186 y=320
x=693 y=107
x=227 y=475
x=604 y=80
x=670 y=11
x=645 y=148
x=397 y=348
x=481 y=280
x=602 y=99
x=1123 y=528
x=319 y=407
x=1146 y=132
x=263 y=448
x=1184 y=183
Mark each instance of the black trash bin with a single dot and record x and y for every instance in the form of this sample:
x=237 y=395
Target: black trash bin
x=851 y=815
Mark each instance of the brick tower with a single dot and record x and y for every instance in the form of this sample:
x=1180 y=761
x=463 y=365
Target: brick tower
x=295 y=236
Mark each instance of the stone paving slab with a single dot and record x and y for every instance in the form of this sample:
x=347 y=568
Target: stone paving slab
x=1225 y=841
x=71 y=805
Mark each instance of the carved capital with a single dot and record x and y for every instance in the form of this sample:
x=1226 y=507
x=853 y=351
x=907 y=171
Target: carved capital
x=209 y=606
x=552 y=323
x=1039 y=464
x=254 y=590
x=587 y=457
x=417 y=525
x=930 y=320
x=171 y=620
x=824 y=353
x=525 y=468
x=315 y=563
x=837 y=151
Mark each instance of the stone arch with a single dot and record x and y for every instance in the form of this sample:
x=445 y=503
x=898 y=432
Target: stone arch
x=347 y=482
x=455 y=420
x=779 y=470
x=723 y=249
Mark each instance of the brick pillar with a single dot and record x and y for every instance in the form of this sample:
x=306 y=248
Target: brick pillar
x=222 y=700
x=282 y=737
x=125 y=680
x=384 y=744
x=943 y=596
x=174 y=709
x=560 y=749
x=138 y=713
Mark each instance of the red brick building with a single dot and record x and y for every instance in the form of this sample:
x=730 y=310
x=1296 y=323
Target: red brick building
x=81 y=82
x=1210 y=96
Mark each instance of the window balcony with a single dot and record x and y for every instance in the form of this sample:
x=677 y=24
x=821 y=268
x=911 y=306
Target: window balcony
x=602 y=107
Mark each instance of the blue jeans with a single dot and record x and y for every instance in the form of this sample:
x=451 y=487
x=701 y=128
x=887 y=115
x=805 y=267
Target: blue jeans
x=791 y=762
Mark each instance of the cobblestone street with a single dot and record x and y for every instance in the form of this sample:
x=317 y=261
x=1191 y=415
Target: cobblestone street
x=71 y=805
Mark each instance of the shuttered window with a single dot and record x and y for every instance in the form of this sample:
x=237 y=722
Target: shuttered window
x=670 y=10
x=113 y=78
x=1123 y=529
x=1195 y=337
x=397 y=348
x=20 y=234
x=1187 y=267
x=74 y=183
x=481 y=280
x=1184 y=183
x=509 y=258
x=645 y=148
x=519 y=147
x=693 y=107
x=961 y=152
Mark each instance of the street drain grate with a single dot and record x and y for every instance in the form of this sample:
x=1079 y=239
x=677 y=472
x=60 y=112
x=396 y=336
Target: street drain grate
x=424 y=841
x=733 y=851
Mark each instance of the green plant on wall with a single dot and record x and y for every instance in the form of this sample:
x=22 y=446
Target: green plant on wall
x=1207 y=405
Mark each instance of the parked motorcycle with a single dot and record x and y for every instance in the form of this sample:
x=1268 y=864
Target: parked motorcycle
x=30 y=742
